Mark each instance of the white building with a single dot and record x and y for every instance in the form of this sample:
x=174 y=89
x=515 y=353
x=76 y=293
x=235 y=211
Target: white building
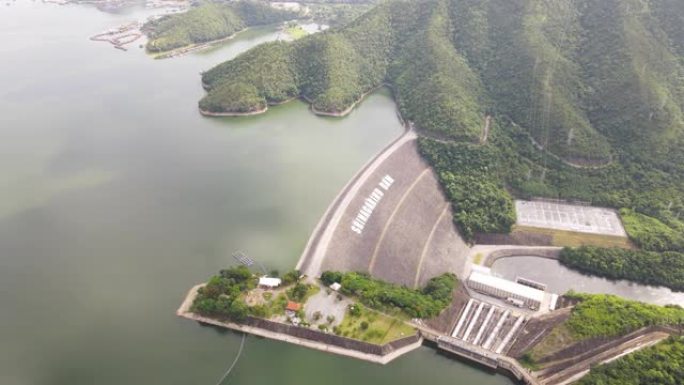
x=505 y=289
x=269 y=282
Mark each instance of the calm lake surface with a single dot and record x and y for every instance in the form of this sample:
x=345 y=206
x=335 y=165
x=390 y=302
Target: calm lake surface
x=560 y=279
x=116 y=197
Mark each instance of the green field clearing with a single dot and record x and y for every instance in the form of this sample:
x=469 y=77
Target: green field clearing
x=576 y=239
x=560 y=337
x=296 y=31
x=374 y=327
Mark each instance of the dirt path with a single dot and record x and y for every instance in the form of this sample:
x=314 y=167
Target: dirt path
x=485 y=130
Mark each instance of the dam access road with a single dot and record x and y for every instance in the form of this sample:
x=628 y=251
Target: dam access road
x=391 y=220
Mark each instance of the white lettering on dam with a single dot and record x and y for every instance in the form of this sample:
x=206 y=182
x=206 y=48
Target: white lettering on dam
x=371 y=202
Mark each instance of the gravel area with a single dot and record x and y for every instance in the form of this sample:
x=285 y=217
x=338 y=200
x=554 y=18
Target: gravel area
x=328 y=305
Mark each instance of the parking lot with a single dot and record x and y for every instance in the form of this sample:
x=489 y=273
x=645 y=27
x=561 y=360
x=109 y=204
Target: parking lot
x=568 y=217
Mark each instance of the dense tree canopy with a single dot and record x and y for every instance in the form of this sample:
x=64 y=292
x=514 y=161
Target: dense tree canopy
x=471 y=176
x=425 y=303
x=210 y=21
x=583 y=78
x=662 y=364
x=221 y=296
x=582 y=109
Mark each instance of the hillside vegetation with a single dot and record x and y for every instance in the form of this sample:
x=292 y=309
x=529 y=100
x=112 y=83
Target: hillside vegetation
x=384 y=296
x=209 y=21
x=578 y=76
x=603 y=315
x=600 y=317
x=587 y=97
x=651 y=233
x=662 y=364
x=471 y=176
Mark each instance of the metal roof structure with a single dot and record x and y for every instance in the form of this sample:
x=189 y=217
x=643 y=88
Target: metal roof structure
x=507 y=286
x=269 y=282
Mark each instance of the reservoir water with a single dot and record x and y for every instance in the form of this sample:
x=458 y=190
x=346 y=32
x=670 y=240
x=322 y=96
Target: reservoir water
x=116 y=197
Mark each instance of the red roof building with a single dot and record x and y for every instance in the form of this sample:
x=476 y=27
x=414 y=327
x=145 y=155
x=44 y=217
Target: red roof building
x=293 y=306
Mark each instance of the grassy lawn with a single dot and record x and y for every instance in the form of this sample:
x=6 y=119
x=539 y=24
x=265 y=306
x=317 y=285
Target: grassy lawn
x=574 y=239
x=273 y=306
x=274 y=302
x=374 y=327
x=478 y=259
x=651 y=233
x=528 y=362
x=560 y=337
x=296 y=31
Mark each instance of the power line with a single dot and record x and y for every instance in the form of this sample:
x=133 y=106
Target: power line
x=237 y=357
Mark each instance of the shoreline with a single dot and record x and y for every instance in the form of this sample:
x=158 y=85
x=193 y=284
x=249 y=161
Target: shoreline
x=232 y=114
x=251 y=113
x=313 y=109
x=346 y=111
x=180 y=51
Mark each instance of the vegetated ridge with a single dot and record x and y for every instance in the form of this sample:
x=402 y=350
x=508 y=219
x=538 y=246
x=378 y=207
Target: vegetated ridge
x=426 y=303
x=587 y=96
x=575 y=75
x=659 y=364
x=210 y=21
x=598 y=318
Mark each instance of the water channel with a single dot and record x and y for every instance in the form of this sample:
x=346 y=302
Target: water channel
x=559 y=279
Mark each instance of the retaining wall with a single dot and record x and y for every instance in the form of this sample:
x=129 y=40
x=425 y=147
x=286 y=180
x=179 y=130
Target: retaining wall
x=549 y=253
x=332 y=339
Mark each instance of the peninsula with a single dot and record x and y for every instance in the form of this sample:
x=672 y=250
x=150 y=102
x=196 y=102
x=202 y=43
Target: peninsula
x=208 y=23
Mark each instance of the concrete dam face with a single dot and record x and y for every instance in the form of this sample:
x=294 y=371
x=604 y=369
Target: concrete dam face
x=392 y=220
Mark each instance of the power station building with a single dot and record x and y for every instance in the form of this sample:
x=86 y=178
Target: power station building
x=510 y=291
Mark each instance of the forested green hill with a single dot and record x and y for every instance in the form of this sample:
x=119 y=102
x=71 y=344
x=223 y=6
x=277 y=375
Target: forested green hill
x=210 y=21
x=581 y=77
x=587 y=96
